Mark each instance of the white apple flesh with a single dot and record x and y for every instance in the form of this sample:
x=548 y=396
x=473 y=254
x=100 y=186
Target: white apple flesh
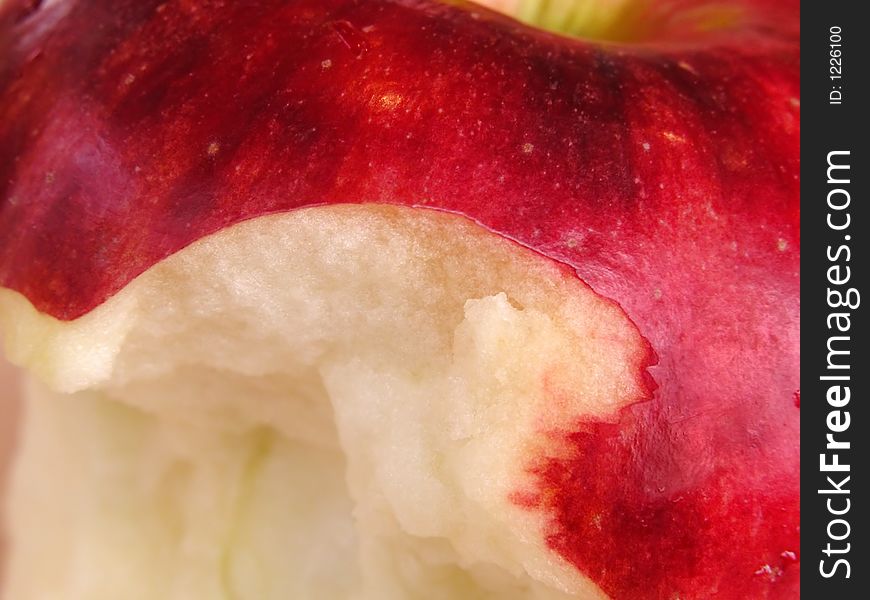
x=329 y=403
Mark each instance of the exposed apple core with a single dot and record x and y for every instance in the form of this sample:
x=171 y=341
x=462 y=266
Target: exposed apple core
x=334 y=402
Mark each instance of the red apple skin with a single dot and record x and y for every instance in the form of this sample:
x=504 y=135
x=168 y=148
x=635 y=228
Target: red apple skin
x=666 y=173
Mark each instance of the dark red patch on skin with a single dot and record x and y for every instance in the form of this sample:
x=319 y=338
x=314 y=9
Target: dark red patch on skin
x=667 y=176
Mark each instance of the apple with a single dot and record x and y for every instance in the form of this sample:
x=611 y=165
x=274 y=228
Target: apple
x=402 y=298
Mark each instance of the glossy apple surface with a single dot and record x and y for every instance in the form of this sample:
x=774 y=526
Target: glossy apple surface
x=663 y=171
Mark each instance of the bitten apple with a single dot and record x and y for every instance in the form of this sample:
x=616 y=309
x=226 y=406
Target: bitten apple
x=402 y=298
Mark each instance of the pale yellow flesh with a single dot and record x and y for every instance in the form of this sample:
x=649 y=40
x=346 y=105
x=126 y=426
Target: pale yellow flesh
x=334 y=403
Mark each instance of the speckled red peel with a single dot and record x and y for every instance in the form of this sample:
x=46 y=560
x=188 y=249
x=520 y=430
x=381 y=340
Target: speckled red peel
x=666 y=173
